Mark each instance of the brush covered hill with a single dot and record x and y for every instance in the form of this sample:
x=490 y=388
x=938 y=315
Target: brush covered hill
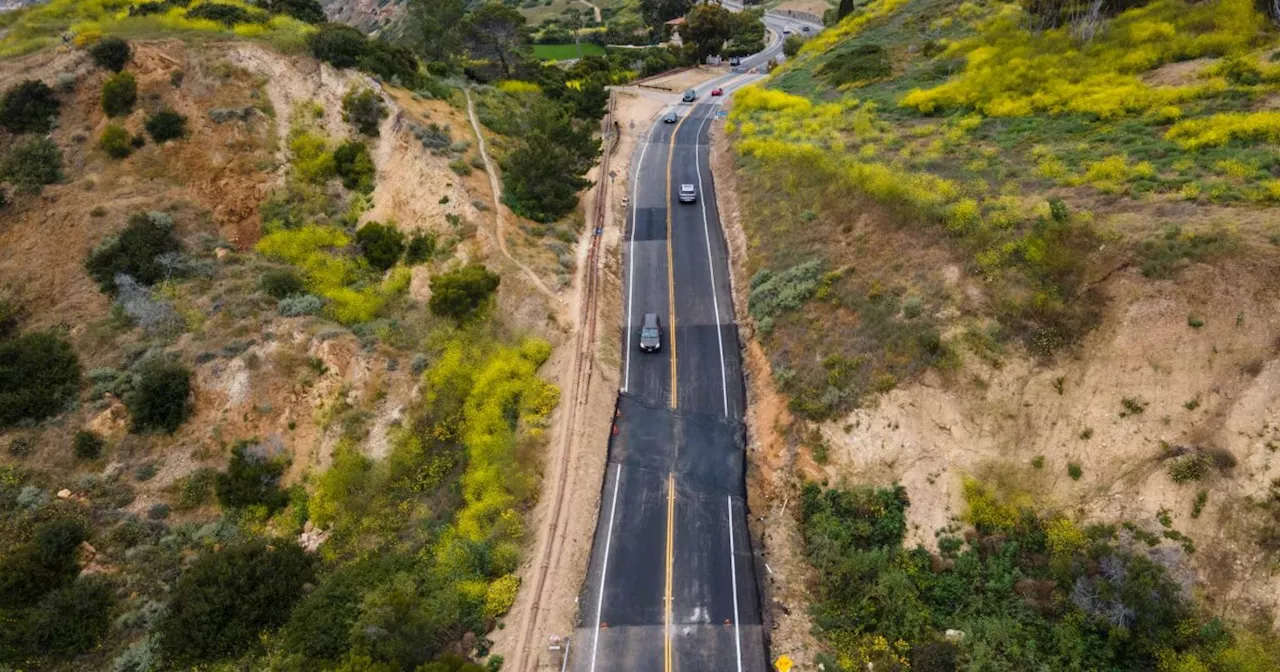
x=1023 y=256
x=267 y=398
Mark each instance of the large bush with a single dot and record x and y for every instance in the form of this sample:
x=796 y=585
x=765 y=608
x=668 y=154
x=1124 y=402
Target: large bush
x=88 y=445
x=543 y=174
x=352 y=162
x=339 y=45
x=364 y=109
x=68 y=621
x=309 y=11
x=166 y=125
x=39 y=377
x=161 y=399
x=462 y=293
x=139 y=251
x=41 y=565
x=251 y=479
x=227 y=599
x=29 y=107
x=228 y=15
x=282 y=283
x=382 y=244
x=119 y=93
x=111 y=53
x=115 y=141
x=32 y=164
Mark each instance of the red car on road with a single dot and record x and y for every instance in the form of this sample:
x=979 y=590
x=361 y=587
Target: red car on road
x=717 y=92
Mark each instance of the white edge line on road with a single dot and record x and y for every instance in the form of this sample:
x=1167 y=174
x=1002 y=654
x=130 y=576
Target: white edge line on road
x=733 y=570
x=711 y=270
x=631 y=275
x=604 y=568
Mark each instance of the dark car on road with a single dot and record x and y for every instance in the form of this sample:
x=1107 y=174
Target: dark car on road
x=690 y=96
x=650 y=333
x=734 y=61
x=670 y=117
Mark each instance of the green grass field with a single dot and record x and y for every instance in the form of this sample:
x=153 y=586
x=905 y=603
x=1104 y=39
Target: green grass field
x=560 y=52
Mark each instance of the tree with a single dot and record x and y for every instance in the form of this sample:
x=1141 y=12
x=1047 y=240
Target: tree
x=422 y=245
x=226 y=599
x=658 y=12
x=39 y=376
x=791 y=45
x=160 y=401
x=135 y=252
x=111 y=53
x=29 y=107
x=437 y=23
x=251 y=480
x=44 y=564
x=496 y=32
x=545 y=171
x=392 y=62
x=32 y=164
x=591 y=98
x=460 y=294
x=119 y=93
x=364 y=109
x=166 y=125
x=382 y=244
x=846 y=6
x=70 y=620
x=706 y=29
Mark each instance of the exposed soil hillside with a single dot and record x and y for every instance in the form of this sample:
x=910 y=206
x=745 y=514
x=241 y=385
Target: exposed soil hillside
x=926 y=348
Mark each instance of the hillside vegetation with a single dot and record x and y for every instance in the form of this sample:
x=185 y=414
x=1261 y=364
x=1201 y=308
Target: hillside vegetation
x=268 y=398
x=1045 y=236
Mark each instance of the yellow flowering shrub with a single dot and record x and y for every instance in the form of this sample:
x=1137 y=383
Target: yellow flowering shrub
x=500 y=595
x=1220 y=129
x=1011 y=71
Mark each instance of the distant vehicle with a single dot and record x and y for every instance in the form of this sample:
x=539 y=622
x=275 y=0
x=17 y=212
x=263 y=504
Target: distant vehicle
x=688 y=193
x=735 y=61
x=670 y=117
x=786 y=31
x=717 y=91
x=690 y=96
x=650 y=333
x=805 y=28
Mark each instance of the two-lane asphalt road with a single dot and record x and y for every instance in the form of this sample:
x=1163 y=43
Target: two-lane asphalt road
x=672 y=582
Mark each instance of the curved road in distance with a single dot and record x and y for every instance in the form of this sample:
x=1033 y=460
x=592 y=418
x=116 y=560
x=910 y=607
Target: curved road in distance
x=672 y=584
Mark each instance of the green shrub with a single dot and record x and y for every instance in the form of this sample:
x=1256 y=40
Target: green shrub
x=139 y=251
x=10 y=318
x=462 y=293
x=382 y=245
x=773 y=294
x=422 y=245
x=166 y=125
x=29 y=107
x=69 y=621
x=194 y=490
x=861 y=63
x=227 y=15
x=365 y=110
x=42 y=565
x=119 y=93
x=391 y=62
x=1174 y=249
x=352 y=162
x=251 y=480
x=308 y=11
x=281 y=283
x=115 y=141
x=39 y=377
x=1132 y=406
x=1074 y=471
x=88 y=445
x=300 y=304
x=226 y=599
x=111 y=53
x=339 y=45
x=161 y=399
x=32 y=164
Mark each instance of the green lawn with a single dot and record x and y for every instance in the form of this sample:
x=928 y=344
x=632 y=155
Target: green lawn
x=560 y=52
